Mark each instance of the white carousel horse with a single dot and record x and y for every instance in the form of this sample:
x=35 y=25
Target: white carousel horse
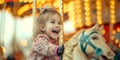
x=88 y=44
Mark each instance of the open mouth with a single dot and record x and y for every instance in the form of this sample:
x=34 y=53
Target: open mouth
x=105 y=58
x=55 y=31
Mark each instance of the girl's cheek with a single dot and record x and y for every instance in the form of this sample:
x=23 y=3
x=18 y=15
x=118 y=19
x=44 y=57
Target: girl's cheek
x=61 y=27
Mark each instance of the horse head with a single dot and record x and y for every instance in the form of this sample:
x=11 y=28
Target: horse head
x=92 y=44
x=87 y=44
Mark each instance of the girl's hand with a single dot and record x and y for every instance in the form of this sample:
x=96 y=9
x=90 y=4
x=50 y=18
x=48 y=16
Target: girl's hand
x=60 y=50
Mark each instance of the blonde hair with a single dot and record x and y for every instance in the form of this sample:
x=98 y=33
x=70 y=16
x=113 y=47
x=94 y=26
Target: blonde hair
x=42 y=19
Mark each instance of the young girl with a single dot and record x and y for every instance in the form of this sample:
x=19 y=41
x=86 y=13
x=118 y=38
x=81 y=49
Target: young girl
x=46 y=36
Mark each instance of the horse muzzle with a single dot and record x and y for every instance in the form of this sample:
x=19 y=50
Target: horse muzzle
x=109 y=56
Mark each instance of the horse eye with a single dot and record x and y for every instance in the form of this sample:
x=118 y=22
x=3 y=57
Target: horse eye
x=94 y=38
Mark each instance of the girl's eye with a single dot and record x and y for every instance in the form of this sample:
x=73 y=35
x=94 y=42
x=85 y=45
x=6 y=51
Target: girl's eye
x=59 y=23
x=52 y=22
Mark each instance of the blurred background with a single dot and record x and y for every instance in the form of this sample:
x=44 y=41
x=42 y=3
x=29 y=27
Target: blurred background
x=17 y=19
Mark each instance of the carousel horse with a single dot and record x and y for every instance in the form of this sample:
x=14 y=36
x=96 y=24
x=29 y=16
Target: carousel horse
x=88 y=44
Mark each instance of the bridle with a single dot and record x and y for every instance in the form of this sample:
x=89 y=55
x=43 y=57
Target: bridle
x=85 y=40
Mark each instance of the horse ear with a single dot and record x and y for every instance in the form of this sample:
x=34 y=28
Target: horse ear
x=101 y=29
x=95 y=27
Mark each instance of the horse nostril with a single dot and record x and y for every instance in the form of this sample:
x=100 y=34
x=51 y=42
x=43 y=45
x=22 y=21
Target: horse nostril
x=110 y=54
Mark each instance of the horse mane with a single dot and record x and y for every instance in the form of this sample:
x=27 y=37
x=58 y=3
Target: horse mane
x=70 y=45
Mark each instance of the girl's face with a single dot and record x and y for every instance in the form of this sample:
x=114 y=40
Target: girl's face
x=53 y=26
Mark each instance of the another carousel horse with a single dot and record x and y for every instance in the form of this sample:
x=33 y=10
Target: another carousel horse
x=88 y=44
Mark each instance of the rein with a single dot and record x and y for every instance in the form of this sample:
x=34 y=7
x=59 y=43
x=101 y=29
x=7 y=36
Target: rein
x=85 y=40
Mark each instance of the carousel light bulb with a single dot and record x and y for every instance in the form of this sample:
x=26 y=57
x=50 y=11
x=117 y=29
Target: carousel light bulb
x=86 y=0
x=87 y=19
x=113 y=21
x=88 y=23
x=87 y=8
x=119 y=45
x=24 y=9
x=56 y=4
x=112 y=2
x=20 y=0
x=30 y=1
x=98 y=7
x=8 y=9
x=38 y=1
x=113 y=32
x=86 y=4
x=65 y=9
x=38 y=5
x=80 y=25
x=113 y=16
x=112 y=12
x=87 y=13
x=103 y=31
x=112 y=6
x=116 y=41
x=42 y=1
x=118 y=29
x=2 y=1
x=112 y=37
x=25 y=1
x=99 y=12
x=99 y=21
x=98 y=2
x=99 y=17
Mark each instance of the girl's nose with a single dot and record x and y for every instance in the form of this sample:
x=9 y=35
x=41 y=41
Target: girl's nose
x=57 y=25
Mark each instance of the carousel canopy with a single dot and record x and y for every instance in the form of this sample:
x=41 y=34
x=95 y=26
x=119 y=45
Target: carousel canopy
x=82 y=12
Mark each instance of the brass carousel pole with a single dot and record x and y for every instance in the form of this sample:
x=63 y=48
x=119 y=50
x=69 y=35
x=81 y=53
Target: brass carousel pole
x=61 y=12
x=110 y=31
x=34 y=11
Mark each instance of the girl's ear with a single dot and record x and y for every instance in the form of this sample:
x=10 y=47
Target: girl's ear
x=42 y=27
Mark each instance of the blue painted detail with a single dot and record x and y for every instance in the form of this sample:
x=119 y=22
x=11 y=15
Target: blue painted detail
x=84 y=41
